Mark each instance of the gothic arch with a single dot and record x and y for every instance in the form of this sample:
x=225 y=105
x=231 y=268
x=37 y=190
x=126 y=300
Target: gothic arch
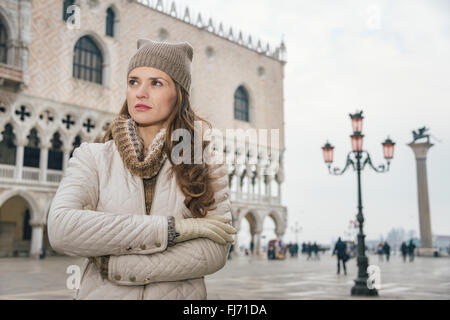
x=111 y=5
x=278 y=220
x=253 y=219
x=11 y=34
x=34 y=208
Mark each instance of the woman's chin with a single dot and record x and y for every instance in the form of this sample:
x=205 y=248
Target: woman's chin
x=143 y=120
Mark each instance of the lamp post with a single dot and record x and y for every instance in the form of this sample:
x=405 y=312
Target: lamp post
x=361 y=158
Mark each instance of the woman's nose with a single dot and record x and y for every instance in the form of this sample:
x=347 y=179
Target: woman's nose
x=142 y=93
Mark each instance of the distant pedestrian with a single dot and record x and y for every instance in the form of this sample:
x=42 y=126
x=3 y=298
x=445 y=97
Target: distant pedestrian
x=380 y=251
x=308 y=250
x=404 y=250
x=315 y=248
x=252 y=246
x=43 y=254
x=304 y=248
x=230 y=253
x=340 y=249
x=411 y=247
x=387 y=250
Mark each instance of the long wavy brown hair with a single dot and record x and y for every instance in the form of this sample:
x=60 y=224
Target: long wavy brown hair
x=193 y=179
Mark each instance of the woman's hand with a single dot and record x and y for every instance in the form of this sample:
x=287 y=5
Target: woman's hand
x=216 y=228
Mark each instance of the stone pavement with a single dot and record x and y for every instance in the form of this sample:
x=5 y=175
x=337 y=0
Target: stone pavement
x=251 y=278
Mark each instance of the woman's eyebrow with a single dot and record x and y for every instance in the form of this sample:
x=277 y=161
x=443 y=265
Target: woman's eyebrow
x=151 y=78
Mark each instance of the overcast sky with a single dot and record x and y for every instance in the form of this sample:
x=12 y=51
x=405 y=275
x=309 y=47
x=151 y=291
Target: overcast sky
x=388 y=58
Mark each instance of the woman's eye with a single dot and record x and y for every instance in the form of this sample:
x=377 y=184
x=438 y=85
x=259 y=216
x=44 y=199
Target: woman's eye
x=131 y=82
x=156 y=81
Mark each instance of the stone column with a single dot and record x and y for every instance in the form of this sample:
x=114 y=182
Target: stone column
x=249 y=183
x=66 y=158
x=236 y=252
x=37 y=236
x=43 y=163
x=279 y=192
x=19 y=159
x=235 y=223
x=257 y=243
x=420 y=151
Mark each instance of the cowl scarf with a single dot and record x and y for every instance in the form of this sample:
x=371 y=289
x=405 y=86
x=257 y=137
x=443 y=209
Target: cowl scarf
x=141 y=162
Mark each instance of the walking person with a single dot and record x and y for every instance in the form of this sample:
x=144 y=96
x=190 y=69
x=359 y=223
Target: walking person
x=340 y=249
x=404 y=250
x=411 y=247
x=387 y=250
x=309 y=250
x=380 y=251
x=303 y=248
x=131 y=208
x=316 y=251
x=230 y=253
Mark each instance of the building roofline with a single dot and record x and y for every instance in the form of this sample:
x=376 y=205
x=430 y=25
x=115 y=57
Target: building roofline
x=278 y=53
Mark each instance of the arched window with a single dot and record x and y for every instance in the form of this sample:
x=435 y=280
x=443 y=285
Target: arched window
x=55 y=154
x=67 y=4
x=76 y=143
x=3 y=40
x=110 y=17
x=7 y=146
x=31 y=152
x=241 y=111
x=87 y=60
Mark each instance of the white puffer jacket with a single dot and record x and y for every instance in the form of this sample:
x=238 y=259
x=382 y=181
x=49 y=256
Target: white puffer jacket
x=141 y=266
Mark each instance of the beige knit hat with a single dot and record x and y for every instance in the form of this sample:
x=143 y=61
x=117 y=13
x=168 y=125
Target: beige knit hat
x=171 y=57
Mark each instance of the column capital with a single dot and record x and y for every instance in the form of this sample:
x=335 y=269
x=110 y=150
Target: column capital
x=421 y=149
x=45 y=146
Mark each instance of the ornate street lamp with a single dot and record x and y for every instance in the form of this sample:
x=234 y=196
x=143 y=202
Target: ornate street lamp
x=361 y=157
x=328 y=152
x=388 y=149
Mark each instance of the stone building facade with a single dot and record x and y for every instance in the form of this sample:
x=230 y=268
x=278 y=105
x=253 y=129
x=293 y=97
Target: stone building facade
x=62 y=80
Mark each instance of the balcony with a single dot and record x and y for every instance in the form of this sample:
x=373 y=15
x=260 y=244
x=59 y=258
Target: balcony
x=10 y=75
x=255 y=198
x=30 y=175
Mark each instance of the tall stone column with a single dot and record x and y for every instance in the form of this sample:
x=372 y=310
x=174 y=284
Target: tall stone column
x=43 y=162
x=236 y=224
x=257 y=243
x=66 y=156
x=37 y=236
x=420 y=151
x=19 y=159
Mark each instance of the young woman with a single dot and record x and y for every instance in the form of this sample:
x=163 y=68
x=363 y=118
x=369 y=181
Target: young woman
x=150 y=227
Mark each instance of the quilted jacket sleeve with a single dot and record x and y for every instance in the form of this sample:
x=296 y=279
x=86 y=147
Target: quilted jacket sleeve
x=77 y=232
x=186 y=260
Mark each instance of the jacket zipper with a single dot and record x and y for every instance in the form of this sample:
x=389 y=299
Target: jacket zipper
x=158 y=178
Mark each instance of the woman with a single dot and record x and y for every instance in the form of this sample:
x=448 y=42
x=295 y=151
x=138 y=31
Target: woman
x=151 y=227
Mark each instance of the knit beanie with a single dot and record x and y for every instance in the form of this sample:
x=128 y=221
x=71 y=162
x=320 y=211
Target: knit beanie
x=174 y=58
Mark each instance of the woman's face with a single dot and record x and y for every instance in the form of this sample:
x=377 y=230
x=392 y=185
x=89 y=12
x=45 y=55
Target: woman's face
x=151 y=95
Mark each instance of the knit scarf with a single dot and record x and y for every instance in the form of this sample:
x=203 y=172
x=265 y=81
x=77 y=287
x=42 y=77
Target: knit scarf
x=141 y=162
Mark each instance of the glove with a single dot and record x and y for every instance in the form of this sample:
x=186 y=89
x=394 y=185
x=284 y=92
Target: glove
x=216 y=228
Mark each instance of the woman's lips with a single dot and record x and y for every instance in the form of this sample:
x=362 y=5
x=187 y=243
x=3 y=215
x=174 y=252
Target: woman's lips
x=142 y=107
